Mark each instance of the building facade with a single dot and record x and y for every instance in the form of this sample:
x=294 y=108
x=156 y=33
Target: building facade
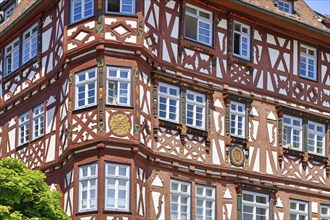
x=174 y=109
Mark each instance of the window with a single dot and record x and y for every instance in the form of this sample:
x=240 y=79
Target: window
x=237 y=119
x=198 y=24
x=316 y=138
x=30 y=43
x=205 y=202
x=12 y=57
x=88 y=187
x=255 y=205
x=13 y=53
x=325 y=212
x=23 y=128
x=9 y=11
x=285 y=6
x=298 y=210
x=168 y=101
x=292 y=132
x=38 y=121
x=118 y=86
x=308 y=62
x=180 y=200
x=117 y=184
x=85 y=89
x=242 y=40
x=121 y=6
x=195 y=109
x=81 y=9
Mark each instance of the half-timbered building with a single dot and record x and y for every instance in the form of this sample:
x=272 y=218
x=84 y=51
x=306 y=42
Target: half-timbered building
x=170 y=109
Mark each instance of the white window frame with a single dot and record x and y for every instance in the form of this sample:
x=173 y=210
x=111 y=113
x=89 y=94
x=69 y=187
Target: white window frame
x=89 y=178
x=237 y=113
x=255 y=204
x=327 y=215
x=83 y=16
x=316 y=135
x=85 y=83
x=117 y=177
x=293 y=128
x=121 y=7
x=117 y=81
x=169 y=97
x=285 y=6
x=241 y=36
x=23 y=123
x=13 y=55
x=196 y=104
x=181 y=195
x=306 y=55
x=29 y=42
x=199 y=20
x=9 y=11
x=38 y=121
x=205 y=198
x=298 y=212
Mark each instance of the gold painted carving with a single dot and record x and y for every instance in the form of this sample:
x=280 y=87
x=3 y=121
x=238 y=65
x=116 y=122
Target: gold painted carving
x=120 y=124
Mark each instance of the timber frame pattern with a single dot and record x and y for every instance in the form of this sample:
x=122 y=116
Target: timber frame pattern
x=151 y=43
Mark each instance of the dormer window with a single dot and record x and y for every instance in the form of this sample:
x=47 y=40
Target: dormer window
x=285 y=6
x=9 y=11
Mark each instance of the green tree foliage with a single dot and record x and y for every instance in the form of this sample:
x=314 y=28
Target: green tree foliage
x=24 y=194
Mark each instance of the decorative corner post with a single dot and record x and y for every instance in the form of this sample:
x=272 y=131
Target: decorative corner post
x=181 y=27
x=99 y=26
x=280 y=138
x=136 y=73
x=155 y=109
x=70 y=108
x=100 y=67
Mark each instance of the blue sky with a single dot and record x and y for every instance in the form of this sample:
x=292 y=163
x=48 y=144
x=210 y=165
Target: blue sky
x=322 y=6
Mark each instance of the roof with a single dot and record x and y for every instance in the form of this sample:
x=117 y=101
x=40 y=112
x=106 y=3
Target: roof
x=302 y=12
x=19 y=10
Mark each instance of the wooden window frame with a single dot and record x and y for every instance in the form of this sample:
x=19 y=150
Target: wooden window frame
x=299 y=212
x=117 y=81
x=88 y=179
x=199 y=19
x=117 y=177
x=85 y=83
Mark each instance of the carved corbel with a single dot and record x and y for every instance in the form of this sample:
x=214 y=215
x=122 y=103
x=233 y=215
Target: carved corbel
x=183 y=133
x=156 y=128
x=206 y=135
x=327 y=166
x=280 y=155
x=305 y=158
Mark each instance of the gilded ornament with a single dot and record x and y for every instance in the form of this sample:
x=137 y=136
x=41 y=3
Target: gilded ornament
x=236 y=155
x=120 y=124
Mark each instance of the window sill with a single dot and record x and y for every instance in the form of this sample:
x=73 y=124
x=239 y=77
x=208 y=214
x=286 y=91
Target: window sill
x=308 y=79
x=120 y=14
x=305 y=157
x=120 y=106
x=21 y=69
x=73 y=23
x=233 y=59
x=184 y=131
x=20 y=147
x=238 y=140
x=196 y=46
x=109 y=211
x=82 y=212
x=84 y=108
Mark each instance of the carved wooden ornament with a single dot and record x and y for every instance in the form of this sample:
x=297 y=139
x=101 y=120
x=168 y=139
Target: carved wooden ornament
x=120 y=124
x=236 y=155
